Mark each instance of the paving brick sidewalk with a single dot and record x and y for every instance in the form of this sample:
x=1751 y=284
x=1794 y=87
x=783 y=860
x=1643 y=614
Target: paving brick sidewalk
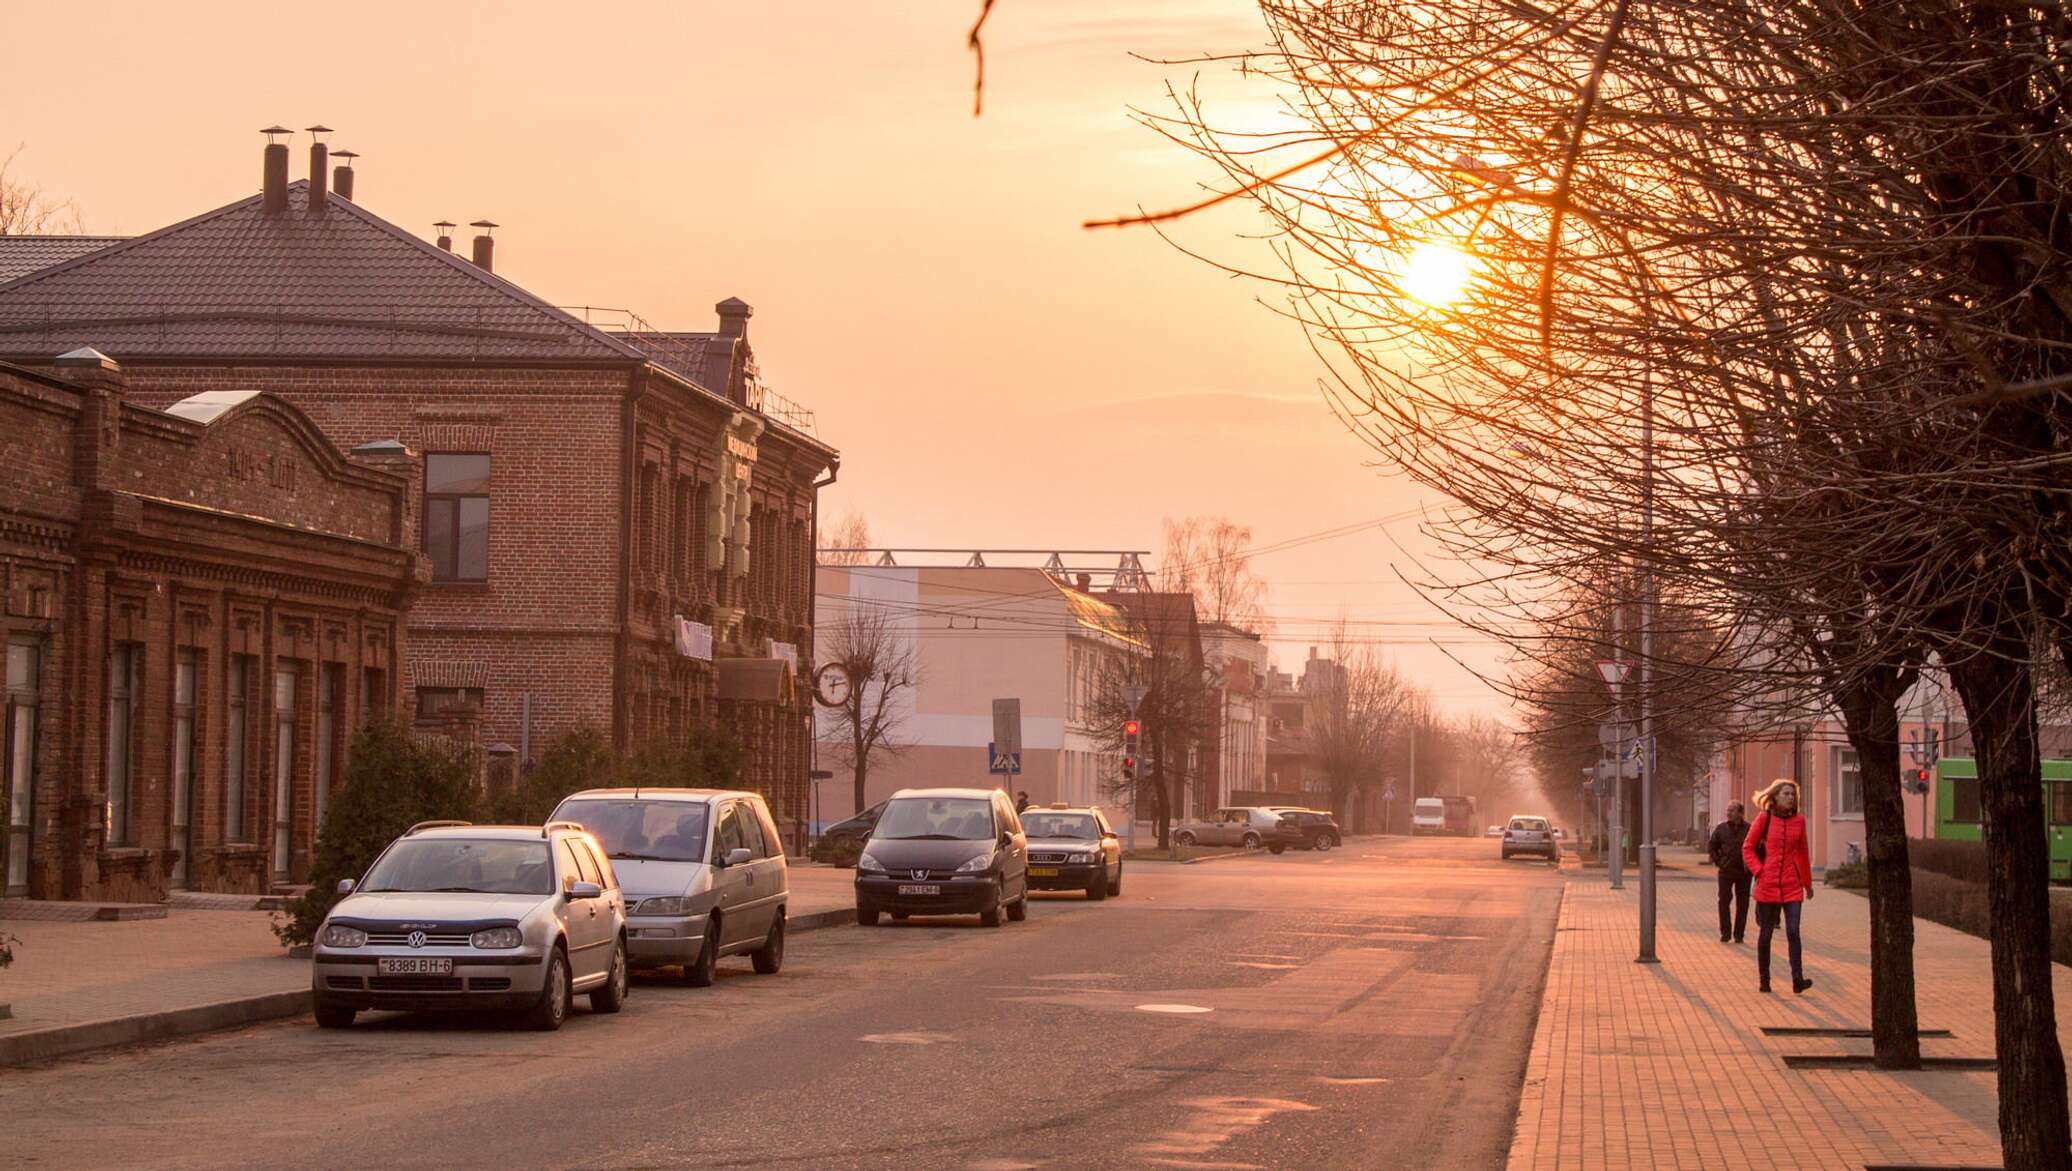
x=1665 y=1065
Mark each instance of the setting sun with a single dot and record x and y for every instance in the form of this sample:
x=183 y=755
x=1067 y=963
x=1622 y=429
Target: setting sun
x=1437 y=274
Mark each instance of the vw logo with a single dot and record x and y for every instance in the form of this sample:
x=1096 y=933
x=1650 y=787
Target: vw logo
x=415 y=939
x=918 y=875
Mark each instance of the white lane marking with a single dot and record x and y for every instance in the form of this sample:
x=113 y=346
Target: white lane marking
x=1264 y=955
x=905 y=1038
x=1181 y=1009
x=1262 y=964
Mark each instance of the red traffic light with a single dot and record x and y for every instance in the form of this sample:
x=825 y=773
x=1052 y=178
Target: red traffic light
x=1129 y=762
x=1131 y=727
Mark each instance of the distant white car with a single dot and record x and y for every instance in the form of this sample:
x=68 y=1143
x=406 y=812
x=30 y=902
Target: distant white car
x=1494 y=831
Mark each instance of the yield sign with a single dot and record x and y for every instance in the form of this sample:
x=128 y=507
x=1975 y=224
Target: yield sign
x=1614 y=671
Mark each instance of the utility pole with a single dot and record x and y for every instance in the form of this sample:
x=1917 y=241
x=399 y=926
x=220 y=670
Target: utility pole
x=1647 y=672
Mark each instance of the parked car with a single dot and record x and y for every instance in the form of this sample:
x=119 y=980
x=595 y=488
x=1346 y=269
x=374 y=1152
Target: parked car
x=1494 y=831
x=1248 y=826
x=458 y=916
x=840 y=843
x=1531 y=835
x=1319 y=830
x=945 y=852
x=704 y=873
x=1072 y=847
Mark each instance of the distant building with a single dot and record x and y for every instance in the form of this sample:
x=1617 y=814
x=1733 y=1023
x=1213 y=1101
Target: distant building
x=200 y=604
x=1294 y=770
x=618 y=524
x=1237 y=663
x=980 y=634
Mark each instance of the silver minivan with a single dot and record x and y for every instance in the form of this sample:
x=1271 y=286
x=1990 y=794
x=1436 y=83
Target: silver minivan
x=703 y=871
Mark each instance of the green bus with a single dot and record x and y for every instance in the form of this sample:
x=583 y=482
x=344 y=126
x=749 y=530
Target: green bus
x=1957 y=807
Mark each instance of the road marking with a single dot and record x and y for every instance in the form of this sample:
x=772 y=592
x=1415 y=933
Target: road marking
x=1080 y=976
x=1215 y=1121
x=1262 y=964
x=1173 y=1008
x=1332 y=1080
x=905 y=1038
x=1264 y=955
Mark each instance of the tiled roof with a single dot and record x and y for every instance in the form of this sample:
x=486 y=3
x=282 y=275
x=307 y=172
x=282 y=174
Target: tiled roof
x=705 y=358
x=238 y=282
x=22 y=255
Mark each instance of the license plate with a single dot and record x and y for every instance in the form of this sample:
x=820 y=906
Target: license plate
x=1043 y=872
x=414 y=966
x=920 y=889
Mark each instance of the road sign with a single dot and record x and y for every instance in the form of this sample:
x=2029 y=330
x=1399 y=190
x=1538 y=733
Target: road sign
x=1007 y=726
x=1613 y=671
x=1388 y=792
x=1613 y=734
x=1006 y=764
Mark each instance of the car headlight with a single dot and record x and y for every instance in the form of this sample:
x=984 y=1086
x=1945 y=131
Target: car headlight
x=868 y=861
x=976 y=863
x=1075 y=858
x=666 y=905
x=496 y=937
x=339 y=935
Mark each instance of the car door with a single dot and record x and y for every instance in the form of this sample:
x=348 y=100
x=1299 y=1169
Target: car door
x=730 y=884
x=1111 y=845
x=775 y=879
x=587 y=924
x=1014 y=871
x=759 y=904
x=1229 y=827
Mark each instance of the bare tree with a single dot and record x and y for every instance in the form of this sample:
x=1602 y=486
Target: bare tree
x=26 y=210
x=878 y=660
x=1356 y=702
x=844 y=542
x=1175 y=708
x=1210 y=558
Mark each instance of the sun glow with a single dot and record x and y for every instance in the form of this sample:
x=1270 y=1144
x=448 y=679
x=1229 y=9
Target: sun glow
x=1437 y=274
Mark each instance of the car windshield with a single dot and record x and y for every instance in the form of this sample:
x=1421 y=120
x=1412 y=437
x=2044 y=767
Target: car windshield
x=1528 y=823
x=957 y=819
x=1060 y=825
x=634 y=830
x=499 y=866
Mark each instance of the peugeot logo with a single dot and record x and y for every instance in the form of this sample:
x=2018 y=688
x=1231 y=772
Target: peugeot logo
x=918 y=875
x=415 y=939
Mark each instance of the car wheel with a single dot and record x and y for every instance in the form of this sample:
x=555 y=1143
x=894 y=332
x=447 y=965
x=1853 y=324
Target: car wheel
x=1097 y=886
x=990 y=917
x=868 y=916
x=1183 y=839
x=1251 y=841
x=770 y=956
x=1326 y=841
x=701 y=972
x=1018 y=910
x=547 y=1015
x=1276 y=848
x=334 y=1016
x=1115 y=887
x=611 y=995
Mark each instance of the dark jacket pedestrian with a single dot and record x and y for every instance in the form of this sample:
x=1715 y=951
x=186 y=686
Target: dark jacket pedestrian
x=1021 y=801
x=1776 y=853
x=1724 y=848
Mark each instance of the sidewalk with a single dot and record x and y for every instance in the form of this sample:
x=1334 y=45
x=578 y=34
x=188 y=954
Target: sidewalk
x=1666 y=1065
x=80 y=985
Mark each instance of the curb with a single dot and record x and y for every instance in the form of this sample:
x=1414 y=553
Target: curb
x=1237 y=853
x=65 y=1040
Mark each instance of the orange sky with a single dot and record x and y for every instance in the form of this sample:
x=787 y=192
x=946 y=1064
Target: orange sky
x=993 y=374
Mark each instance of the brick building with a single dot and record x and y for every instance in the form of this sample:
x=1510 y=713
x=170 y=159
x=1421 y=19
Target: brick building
x=618 y=523
x=200 y=603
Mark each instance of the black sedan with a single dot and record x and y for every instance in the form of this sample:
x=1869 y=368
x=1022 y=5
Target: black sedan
x=1073 y=848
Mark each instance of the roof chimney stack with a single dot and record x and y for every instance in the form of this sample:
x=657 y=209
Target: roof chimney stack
x=445 y=234
x=319 y=164
x=485 y=248
x=274 y=185
x=1084 y=583
x=733 y=317
x=342 y=174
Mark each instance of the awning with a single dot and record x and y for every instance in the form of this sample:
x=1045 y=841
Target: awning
x=755 y=680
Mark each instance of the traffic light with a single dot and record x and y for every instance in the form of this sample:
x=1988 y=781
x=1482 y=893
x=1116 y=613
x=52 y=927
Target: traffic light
x=1131 y=728
x=1129 y=768
x=1917 y=781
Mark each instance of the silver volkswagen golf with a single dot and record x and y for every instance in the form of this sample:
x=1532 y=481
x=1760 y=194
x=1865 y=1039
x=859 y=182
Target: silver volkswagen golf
x=704 y=871
x=459 y=916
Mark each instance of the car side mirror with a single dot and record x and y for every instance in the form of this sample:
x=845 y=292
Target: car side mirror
x=1007 y=837
x=345 y=886
x=736 y=856
x=1109 y=833
x=585 y=890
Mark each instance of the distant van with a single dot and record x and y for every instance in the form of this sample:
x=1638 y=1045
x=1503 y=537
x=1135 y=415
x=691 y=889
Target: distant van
x=1428 y=816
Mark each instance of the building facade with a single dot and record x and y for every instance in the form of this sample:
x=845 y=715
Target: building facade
x=1237 y=664
x=617 y=522
x=201 y=603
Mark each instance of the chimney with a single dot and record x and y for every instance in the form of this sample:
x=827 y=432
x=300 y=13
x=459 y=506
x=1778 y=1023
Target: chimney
x=445 y=234
x=342 y=174
x=319 y=163
x=733 y=317
x=485 y=248
x=274 y=186
x=1084 y=582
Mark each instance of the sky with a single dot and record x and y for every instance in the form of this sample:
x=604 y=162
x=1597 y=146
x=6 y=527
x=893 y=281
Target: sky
x=994 y=375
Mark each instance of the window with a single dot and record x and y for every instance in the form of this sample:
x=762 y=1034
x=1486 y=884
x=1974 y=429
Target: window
x=456 y=516
x=125 y=671
x=285 y=678
x=591 y=859
x=1964 y=808
x=1848 y=788
x=234 y=773
x=433 y=700
x=751 y=831
x=18 y=764
x=185 y=668
x=327 y=735
x=374 y=694
x=2061 y=803
x=586 y=863
x=645 y=537
x=726 y=837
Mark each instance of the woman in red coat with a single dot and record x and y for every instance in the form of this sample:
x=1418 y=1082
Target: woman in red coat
x=1776 y=853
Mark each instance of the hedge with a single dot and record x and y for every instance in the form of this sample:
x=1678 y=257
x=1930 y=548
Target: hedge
x=1965 y=861
x=1956 y=903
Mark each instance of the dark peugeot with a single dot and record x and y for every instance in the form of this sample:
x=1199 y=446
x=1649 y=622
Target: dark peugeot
x=944 y=852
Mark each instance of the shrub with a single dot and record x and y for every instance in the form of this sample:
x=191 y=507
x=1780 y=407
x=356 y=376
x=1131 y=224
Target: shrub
x=1956 y=903
x=580 y=759
x=392 y=780
x=1849 y=876
x=1965 y=861
x=709 y=758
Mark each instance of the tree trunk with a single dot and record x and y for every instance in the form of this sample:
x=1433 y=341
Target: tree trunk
x=1998 y=695
x=862 y=767
x=1871 y=714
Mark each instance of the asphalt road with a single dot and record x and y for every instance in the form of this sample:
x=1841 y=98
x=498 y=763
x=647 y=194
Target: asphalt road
x=1367 y=1007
